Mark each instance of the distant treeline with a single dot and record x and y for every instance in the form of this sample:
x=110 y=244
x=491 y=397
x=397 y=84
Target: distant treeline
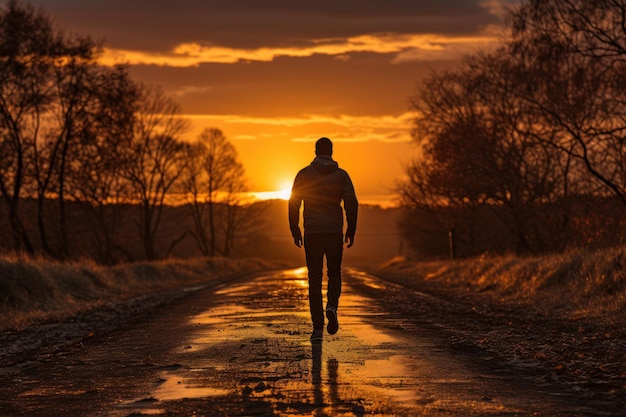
x=522 y=148
x=173 y=239
x=269 y=239
x=581 y=222
x=86 y=149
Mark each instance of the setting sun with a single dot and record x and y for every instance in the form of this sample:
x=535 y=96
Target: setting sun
x=283 y=193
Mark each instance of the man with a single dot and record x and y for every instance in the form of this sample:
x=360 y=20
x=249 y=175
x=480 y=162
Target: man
x=322 y=186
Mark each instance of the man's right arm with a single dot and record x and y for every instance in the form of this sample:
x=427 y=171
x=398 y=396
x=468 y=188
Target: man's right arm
x=295 y=201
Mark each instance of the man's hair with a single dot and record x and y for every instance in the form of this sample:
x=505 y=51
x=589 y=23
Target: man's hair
x=323 y=146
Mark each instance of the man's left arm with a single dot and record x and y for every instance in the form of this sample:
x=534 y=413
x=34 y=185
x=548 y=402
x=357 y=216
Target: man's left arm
x=351 y=206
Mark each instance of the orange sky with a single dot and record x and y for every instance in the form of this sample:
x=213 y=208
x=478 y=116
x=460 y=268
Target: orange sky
x=275 y=75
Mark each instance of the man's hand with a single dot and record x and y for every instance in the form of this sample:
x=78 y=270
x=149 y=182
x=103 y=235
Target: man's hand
x=298 y=241
x=349 y=240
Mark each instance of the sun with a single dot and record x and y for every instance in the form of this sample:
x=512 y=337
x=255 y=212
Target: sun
x=284 y=192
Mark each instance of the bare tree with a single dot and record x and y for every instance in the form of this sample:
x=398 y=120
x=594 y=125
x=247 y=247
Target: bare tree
x=214 y=184
x=47 y=84
x=575 y=54
x=473 y=152
x=595 y=29
x=193 y=189
x=29 y=49
x=239 y=220
x=527 y=129
x=155 y=160
x=72 y=88
x=95 y=177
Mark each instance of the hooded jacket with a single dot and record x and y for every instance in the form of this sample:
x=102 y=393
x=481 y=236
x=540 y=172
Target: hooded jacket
x=322 y=186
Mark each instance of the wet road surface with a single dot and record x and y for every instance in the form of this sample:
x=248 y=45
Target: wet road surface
x=243 y=350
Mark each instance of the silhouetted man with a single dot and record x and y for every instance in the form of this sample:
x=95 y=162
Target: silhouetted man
x=322 y=186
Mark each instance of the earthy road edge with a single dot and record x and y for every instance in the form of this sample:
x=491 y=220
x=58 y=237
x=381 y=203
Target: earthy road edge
x=584 y=357
x=38 y=341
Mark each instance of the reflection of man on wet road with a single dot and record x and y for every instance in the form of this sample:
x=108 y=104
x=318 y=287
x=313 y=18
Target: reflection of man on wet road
x=322 y=186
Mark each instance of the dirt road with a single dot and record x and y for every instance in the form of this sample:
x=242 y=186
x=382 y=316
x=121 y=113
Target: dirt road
x=243 y=349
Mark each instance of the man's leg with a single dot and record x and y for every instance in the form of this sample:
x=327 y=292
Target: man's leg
x=334 y=251
x=314 y=251
x=334 y=254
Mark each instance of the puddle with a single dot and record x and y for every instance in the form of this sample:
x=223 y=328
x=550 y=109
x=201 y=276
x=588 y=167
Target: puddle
x=298 y=272
x=139 y=410
x=174 y=387
x=367 y=279
x=360 y=362
x=177 y=387
x=356 y=320
x=394 y=377
x=217 y=316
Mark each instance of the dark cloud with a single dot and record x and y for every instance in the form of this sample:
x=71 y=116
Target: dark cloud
x=160 y=25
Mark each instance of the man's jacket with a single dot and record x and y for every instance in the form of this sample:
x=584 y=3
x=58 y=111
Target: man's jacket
x=322 y=186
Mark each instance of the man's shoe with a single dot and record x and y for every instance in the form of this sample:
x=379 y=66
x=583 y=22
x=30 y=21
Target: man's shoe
x=316 y=336
x=331 y=315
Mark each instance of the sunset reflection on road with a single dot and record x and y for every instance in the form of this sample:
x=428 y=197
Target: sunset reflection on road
x=251 y=346
x=241 y=348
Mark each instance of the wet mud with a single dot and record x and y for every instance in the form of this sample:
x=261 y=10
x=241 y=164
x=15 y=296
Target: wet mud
x=242 y=349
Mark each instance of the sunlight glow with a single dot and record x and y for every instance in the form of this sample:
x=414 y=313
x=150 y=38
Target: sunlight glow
x=285 y=191
x=282 y=194
x=301 y=273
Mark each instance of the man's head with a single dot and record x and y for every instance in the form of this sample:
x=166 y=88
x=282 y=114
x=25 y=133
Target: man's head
x=323 y=146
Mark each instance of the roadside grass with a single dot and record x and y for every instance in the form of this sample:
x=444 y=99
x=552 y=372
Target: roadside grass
x=555 y=319
x=36 y=290
x=576 y=285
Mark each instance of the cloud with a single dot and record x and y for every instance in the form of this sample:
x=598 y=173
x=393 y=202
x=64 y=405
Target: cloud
x=361 y=135
x=447 y=51
x=384 y=121
x=159 y=27
x=190 y=89
x=342 y=128
x=407 y=47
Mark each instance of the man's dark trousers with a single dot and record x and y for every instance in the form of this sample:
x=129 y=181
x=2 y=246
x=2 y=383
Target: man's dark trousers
x=316 y=246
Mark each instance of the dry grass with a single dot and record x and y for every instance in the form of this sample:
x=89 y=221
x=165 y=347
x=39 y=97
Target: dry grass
x=35 y=290
x=554 y=319
x=575 y=284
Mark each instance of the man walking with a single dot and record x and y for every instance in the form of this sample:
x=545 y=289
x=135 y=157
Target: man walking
x=322 y=186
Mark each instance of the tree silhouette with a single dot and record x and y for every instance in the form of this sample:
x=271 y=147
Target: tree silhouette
x=214 y=184
x=575 y=55
x=154 y=160
x=43 y=90
x=473 y=150
x=531 y=131
x=87 y=149
x=96 y=172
